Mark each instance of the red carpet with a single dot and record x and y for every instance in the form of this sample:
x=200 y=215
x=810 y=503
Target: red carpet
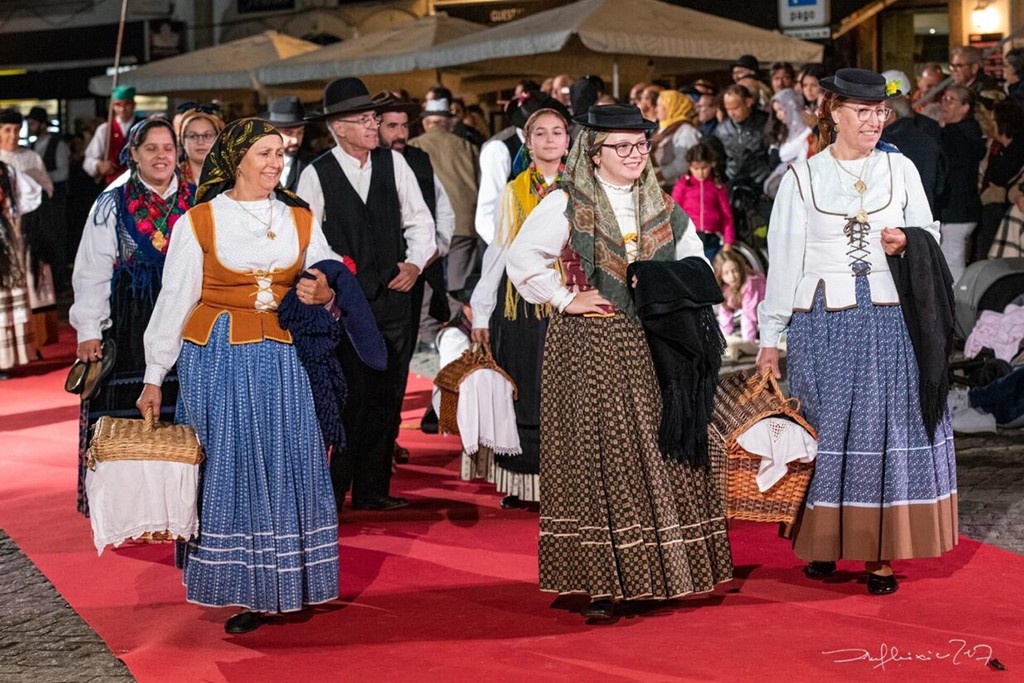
x=446 y=591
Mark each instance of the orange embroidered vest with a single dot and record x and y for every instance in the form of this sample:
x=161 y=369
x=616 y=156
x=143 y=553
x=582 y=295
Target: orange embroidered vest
x=234 y=291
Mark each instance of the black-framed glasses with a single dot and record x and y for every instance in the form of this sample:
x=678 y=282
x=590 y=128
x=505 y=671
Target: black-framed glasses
x=365 y=121
x=864 y=114
x=200 y=137
x=625 y=149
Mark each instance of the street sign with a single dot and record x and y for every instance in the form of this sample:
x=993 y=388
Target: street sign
x=815 y=33
x=800 y=13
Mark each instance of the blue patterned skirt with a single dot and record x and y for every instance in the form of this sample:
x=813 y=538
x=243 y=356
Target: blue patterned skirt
x=268 y=536
x=881 y=489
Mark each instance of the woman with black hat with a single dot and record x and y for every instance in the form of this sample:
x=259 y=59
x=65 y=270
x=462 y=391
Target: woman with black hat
x=884 y=485
x=516 y=331
x=618 y=520
x=269 y=527
x=118 y=274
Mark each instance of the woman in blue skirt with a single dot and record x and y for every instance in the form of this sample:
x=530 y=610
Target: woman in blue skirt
x=883 y=489
x=268 y=539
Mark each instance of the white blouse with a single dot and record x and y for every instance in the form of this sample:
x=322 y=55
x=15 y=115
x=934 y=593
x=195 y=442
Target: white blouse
x=242 y=244
x=545 y=232
x=30 y=178
x=485 y=294
x=94 y=269
x=806 y=244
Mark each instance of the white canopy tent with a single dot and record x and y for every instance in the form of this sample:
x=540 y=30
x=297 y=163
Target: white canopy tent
x=638 y=39
x=227 y=69
x=391 y=52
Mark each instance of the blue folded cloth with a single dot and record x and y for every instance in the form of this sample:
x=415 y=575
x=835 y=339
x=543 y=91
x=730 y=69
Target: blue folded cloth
x=315 y=334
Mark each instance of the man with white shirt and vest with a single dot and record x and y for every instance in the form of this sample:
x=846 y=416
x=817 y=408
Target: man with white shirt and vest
x=371 y=209
x=56 y=157
x=289 y=117
x=103 y=160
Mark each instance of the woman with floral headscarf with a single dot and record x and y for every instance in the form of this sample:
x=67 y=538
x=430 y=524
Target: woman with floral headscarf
x=118 y=274
x=197 y=129
x=517 y=330
x=268 y=539
x=618 y=519
x=677 y=132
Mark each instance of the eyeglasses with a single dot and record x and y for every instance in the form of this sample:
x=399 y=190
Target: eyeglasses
x=365 y=121
x=950 y=98
x=200 y=137
x=961 y=65
x=864 y=113
x=625 y=149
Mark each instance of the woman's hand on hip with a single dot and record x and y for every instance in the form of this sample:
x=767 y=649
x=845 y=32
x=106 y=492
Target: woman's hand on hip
x=590 y=301
x=894 y=241
x=768 y=360
x=90 y=350
x=150 y=399
x=315 y=291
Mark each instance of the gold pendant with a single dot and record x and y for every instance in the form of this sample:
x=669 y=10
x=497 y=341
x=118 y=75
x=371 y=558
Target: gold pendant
x=860 y=186
x=862 y=216
x=271 y=234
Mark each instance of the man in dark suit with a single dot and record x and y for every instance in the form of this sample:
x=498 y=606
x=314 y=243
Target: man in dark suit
x=288 y=115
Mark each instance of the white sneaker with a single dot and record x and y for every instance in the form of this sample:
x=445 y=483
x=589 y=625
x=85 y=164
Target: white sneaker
x=973 y=421
x=957 y=399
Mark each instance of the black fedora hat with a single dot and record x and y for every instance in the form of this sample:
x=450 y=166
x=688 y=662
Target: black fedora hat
x=392 y=102
x=747 y=62
x=285 y=112
x=345 y=96
x=860 y=84
x=519 y=109
x=615 y=117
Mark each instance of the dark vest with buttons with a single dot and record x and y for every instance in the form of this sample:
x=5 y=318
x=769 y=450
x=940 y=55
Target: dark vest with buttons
x=370 y=232
x=419 y=161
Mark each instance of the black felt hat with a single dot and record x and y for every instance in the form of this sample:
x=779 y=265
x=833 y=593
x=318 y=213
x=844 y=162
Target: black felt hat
x=860 y=84
x=615 y=117
x=747 y=62
x=520 y=108
x=285 y=112
x=345 y=96
x=11 y=116
x=38 y=114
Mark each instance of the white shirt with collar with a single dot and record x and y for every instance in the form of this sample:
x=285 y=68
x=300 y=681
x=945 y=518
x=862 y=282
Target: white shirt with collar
x=94 y=269
x=417 y=223
x=495 y=165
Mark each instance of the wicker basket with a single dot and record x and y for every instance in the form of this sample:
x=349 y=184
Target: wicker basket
x=118 y=438
x=476 y=357
x=742 y=399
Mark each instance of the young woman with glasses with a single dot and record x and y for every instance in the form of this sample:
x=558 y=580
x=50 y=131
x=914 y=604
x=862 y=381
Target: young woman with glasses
x=198 y=128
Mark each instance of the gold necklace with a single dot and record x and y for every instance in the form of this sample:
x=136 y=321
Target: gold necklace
x=859 y=186
x=265 y=223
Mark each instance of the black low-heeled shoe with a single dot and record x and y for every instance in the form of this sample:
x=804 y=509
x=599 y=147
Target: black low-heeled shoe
x=599 y=610
x=882 y=585
x=819 y=570
x=243 y=622
x=512 y=503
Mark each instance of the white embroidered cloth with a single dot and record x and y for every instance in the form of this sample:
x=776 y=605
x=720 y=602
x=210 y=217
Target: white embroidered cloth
x=127 y=498
x=778 y=442
x=486 y=414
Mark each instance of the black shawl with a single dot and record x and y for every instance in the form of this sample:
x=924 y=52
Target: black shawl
x=674 y=303
x=925 y=287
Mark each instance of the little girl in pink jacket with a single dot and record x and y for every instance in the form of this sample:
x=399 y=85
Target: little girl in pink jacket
x=705 y=200
x=743 y=290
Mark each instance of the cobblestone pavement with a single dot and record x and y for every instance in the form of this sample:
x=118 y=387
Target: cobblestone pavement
x=42 y=640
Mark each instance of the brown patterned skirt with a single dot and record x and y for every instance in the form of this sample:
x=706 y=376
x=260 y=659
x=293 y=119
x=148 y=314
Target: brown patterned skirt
x=617 y=519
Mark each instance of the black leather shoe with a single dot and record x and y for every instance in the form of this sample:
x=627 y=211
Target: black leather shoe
x=599 y=610
x=243 y=622
x=512 y=503
x=401 y=455
x=881 y=585
x=819 y=570
x=383 y=503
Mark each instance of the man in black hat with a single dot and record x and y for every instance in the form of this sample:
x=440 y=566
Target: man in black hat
x=371 y=209
x=56 y=157
x=498 y=154
x=289 y=117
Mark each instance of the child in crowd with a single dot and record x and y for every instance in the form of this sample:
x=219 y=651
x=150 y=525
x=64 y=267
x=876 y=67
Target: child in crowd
x=743 y=290
x=705 y=200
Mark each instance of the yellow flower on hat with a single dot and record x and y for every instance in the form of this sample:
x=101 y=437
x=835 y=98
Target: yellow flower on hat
x=891 y=88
